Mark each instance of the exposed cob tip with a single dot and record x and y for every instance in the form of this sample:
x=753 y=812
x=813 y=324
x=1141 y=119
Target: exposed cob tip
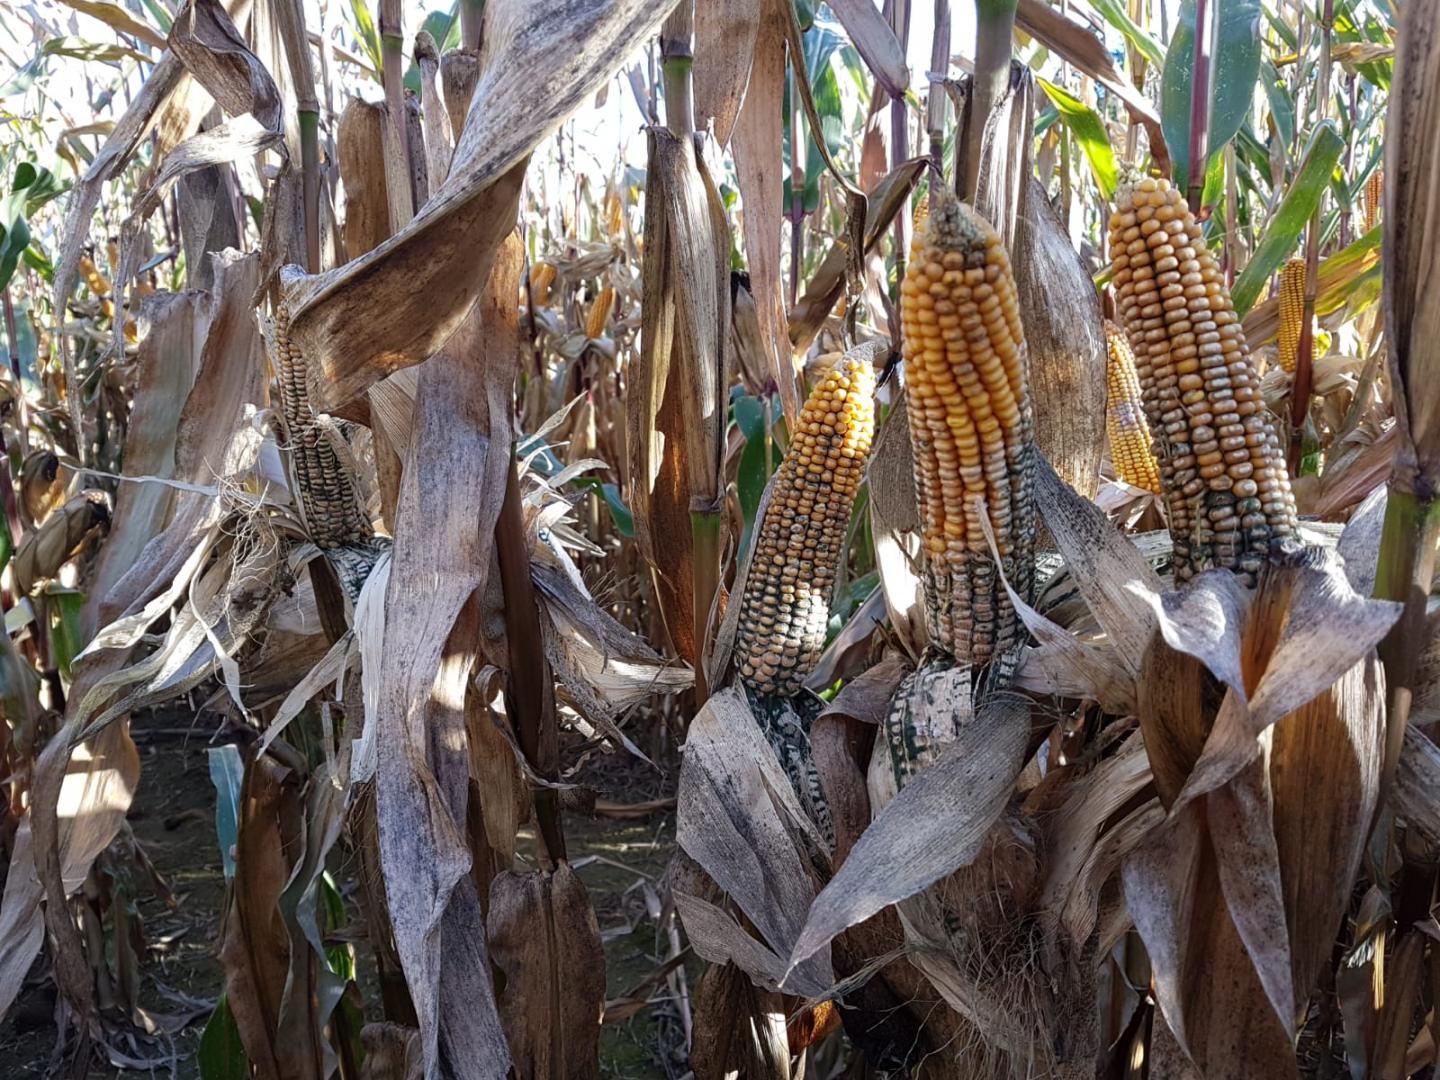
x=801 y=539
x=1292 y=312
x=970 y=425
x=1125 y=425
x=1226 y=489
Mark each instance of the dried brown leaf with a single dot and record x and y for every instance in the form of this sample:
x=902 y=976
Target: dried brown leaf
x=724 y=47
x=395 y=306
x=455 y=478
x=554 y=992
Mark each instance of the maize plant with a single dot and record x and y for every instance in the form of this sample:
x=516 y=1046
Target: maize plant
x=475 y=492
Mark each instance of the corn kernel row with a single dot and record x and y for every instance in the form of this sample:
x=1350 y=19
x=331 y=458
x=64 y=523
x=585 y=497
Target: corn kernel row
x=1227 y=489
x=970 y=427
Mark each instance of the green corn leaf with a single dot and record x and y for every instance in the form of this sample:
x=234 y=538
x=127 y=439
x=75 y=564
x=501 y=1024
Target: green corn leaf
x=369 y=36
x=1281 y=107
x=1089 y=130
x=1283 y=233
x=1234 y=67
x=1115 y=14
x=222 y=1055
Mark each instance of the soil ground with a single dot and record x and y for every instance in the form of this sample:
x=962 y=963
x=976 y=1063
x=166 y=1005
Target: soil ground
x=173 y=819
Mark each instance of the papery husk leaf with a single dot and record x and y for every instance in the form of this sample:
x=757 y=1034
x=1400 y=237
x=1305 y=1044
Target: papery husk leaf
x=841 y=738
x=717 y=938
x=739 y=1029
x=756 y=148
x=455 y=478
x=738 y=817
x=1070 y=893
x=1108 y=569
x=1258 y=778
x=674 y=430
x=895 y=526
x=396 y=305
x=934 y=825
x=724 y=47
x=554 y=981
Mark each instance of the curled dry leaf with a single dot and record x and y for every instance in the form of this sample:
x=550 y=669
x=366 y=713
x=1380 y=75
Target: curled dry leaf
x=396 y=305
x=934 y=825
x=1291 y=751
x=737 y=817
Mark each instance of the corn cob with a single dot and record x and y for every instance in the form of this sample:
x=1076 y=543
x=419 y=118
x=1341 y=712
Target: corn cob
x=1125 y=425
x=1292 y=311
x=41 y=487
x=542 y=277
x=971 y=427
x=329 y=503
x=599 y=313
x=614 y=216
x=44 y=550
x=1226 y=488
x=798 y=544
x=98 y=285
x=1374 y=190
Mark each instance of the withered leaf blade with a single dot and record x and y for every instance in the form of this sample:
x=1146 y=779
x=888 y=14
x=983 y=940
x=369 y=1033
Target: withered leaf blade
x=1111 y=573
x=889 y=197
x=724 y=47
x=455 y=477
x=397 y=304
x=732 y=796
x=935 y=824
x=213 y=50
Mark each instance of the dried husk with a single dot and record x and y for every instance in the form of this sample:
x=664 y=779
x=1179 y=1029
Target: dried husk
x=674 y=419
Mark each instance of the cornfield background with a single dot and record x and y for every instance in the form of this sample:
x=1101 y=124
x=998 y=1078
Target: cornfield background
x=765 y=538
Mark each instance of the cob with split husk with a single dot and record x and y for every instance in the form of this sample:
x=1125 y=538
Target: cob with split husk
x=1226 y=487
x=324 y=487
x=971 y=428
x=801 y=539
x=1125 y=425
x=798 y=546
